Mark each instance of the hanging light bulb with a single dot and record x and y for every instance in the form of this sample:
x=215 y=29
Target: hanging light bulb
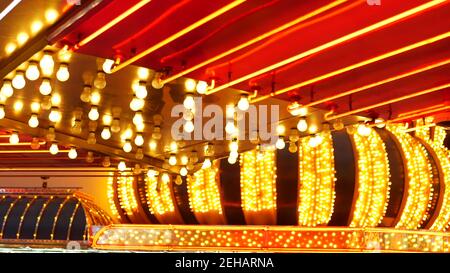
x=184 y=160
x=47 y=63
x=46 y=87
x=136 y=104
x=35 y=143
x=122 y=166
x=72 y=153
x=363 y=129
x=90 y=157
x=127 y=147
x=380 y=123
x=32 y=73
x=54 y=148
x=139 y=139
x=18 y=81
x=202 y=86
x=100 y=80
x=234 y=154
x=2 y=111
x=188 y=114
x=115 y=125
x=190 y=85
x=63 y=73
x=302 y=124
x=230 y=128
x=152 y=145
x=86 y=94
x=141 y=90
x=232 y=160
x=243 y=103
x=165 y=178
x=33 y=122
x=189 y=102
x=338 y=124
x=207 y=163
x=91 y=140
x=156 y=134
x=138 y=118
x=233 y=146
x=188 y=126
x=157 y=83
x=106 y=162
x=172 y=160
x=55 y=99
x=313 y=129
x=292 y=147
x=93 y=113
x=55 y=115
x=14 y=138
x=107 y=66
x=139 y=154
x=183 y=171
x=95 y=97
x=280 y=144
x=106 y=133
x=7 y=88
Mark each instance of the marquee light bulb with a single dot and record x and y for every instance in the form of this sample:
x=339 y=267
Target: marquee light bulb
x=202 y=86
x=183 y=171
x=100 y=80
x=153 y=145
x=54 y=149
x=33 y=122
x=207 y=163
x=281 y=130
x=63 y=73
x=7 y=89
x=2 y=111
x=18 y=81
x=243 y=103
x=165 y=178
x=313 y=129
x=32 y=72
x=302 y=125
x=122 y=166
x=18 y=106
x=363 y=129
x=189 y=126
x=138 y=118
x=47 y=63
x=230 y=128
x=35 y=143
x=35 y=107
x=380 y=123
x=107 y=119
x=156 y=134
x=139 y=139
x=91 y=140
x=143 y=73
x=189 y=102
x=14 y=138
x=157 y=83
x=127 y=147
x=55 y=99
x=72 y=153
x=137 y=104
x=106 y=133
x=184 y=160
x=190 y=85
x=232 y=160
x=45 y=88
x=85 y=95
x=234 y=154
x=172 y=160
x=280 y=144
x=233 y=146
x=141 y=90
x=95 y=97
x=107 y=66
x=55 y=115
x=93 y=113
x=292 y=147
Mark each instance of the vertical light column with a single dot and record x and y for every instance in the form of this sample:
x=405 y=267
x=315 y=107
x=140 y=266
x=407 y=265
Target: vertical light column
x=316 y=182
x=159 y=199
x=127 y=200
x=110 y=196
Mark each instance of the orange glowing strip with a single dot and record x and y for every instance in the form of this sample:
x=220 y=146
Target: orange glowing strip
x=30 y=151
x=418 y=111
x=112 y=23
x=355 y=66
x=413 y=95
x=421 y=114
x=21 y=144
x=178 y=34
x=328 y=45
x=372 y=85
x=255 y=40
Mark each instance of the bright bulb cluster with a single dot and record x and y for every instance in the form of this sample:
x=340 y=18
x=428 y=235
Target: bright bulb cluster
x=159 y=196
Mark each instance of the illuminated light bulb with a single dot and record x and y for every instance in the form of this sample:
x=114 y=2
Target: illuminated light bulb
x=36 y=26
x=106 y=162
x=33 y=122
x=138 y=118
x=156 y=134
x=14 y=138
x=313 y=129
x=54 y=149
x=64 y=55
x=91 y=140
x=296 y=109
x=7 y=88
x=35 y=143
x=189 y=102
x=202 y=86
x=51 y=15
x=72 y=153
x=18 y=81
x=293 y=147
x=188 y=114
x=139 y=154
x=139 y=139
x=122 y=166
x=55 y=99
x=232 y=160
x=140 y=127
x=95 y=97
x=100 y=80
x=18 y=106
x=302 y=125
x=189 y=126
x=55 y=115
x=106 y=133
x=107 y=66
x=230 y=111
x=183 y=171
x=32 y=73
x=152 y=172
x=143 y=73
x=313 y=143
x=230 y=128
x=157 y=83
x=153 y=145
x=233 y=146
x=10 y=48
x=107 y=119
x=93 y=113
x=172 y=160
x=280 y=144
x=22 y=38
x=173 y=146
x=281 y=130
x=63 y=73
x=380 y=123
x=115 y=125
x=207 y=163
x=338 y=125
x=47 y=63
x=90 y=157
x=363 y=129
x=184 y=160
x=127 y=147
x=45 y=88
x=2 y=111
x=234 y=154
x=243 y=103
x=137 y=104
x=86 y=94
x=141 y=90
x=190 y=85
x=165 y=178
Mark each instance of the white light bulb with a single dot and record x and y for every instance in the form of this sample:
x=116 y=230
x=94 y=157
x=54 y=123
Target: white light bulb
x=202 y=86
x=281 y=130
x=55 y=99
x=190 y=85
x=189 y=102
x=152 y=173
x=188 y=114
x=47 y=63
x=7 y=89
x=32 y=72
x=183 y=171
x=157 y=83
x=95 y=97
x=54 y=149
x=63 y=73
x=141 y=91
x=45 y=88
x=122 y=166
x=93 y=113
x=207 y=163
x=188 y=126
x=33 y=122
x=280 y=144
x=72 y=153
x=243 y=103
x=165 y=178
x=234 y=154
x=2 y=112
x=153 y=145
x=363 y=130
x=106 y=133
x=302 y=125
x=230 y=128
x=138 y=118
x=234 y=146
x=107 y=66
x=313 y=129
x=55 y=115
x=172 y=160
x=86 y=94
x=18 y=81
x=232 y=160
x=137 y=104
x=35 y=106
x=14 y=138
x=139 y=140
x=184 y=160
x=380 y=123
x=127 y=146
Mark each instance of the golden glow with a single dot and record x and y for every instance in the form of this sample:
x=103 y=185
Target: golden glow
x=159 y=195
x=110 y=196
x=258 y=179
x=10 y=48
x=373 y=180
x=419 y=180
x=179 y=34
x=203 y=189
x=330 y=44
x=316 y=182
x=125 y=190
x=51 y=15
